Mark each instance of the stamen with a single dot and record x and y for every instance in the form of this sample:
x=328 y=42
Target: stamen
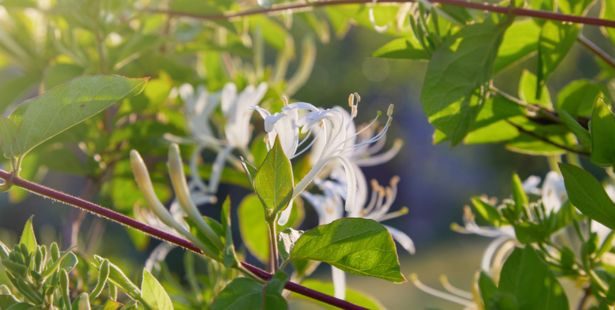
x=389 y=216
x=442 y=295
x=454 y=290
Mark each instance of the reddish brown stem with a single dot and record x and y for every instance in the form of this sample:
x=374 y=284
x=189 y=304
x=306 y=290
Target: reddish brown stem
x=460 y=3
x=117 y=217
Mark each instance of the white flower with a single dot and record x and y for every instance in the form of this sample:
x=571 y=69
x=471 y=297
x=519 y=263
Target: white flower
x=237 y=109
x=331 y=137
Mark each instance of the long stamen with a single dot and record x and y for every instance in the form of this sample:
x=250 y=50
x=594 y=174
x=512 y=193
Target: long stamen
x=443 y=295
x=446 y=284
x=389 y=216
x=381 y=158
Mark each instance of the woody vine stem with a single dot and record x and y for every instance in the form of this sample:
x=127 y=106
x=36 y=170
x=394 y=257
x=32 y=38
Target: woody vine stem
x=47 y=192
x=510 y=10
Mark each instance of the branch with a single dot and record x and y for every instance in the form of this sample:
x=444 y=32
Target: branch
x=600 y=53
x=547 y=140
x=460 y=3
x=122 y=219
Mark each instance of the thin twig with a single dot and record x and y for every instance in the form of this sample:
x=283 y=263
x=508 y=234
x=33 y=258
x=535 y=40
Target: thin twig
x=600 y=53
x=543 y=115
x=122 y=219
x=547 y=140
x=294 y=7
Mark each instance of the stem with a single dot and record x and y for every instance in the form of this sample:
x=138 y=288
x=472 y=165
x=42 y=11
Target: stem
x=600 y=53
x=460 y=3
x=547 y=140
x=117 y=217
x=587 y=292
x=273 y=245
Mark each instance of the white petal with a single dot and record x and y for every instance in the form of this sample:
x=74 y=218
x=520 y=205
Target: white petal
x=553 y=192
x=530 y=185
x=285 y=214
x=402 y=238
x=339 y=283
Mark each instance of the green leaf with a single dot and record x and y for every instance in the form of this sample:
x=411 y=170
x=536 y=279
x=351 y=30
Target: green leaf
x=154 y=294
x=457 y=69
x=529 y=92
x=228 y=255
x=119 y=279
x=608 y=12
x=246 y=293
x=253 y=225
x=28 y=238
x=65 y=106
x=355 y=245
x=487 y=212
x=578 y=97
x=528 y=278
x=402 y=48
x=602 y=127
x=353 y=296
x=519 y=42
x=488 y=289
x=588 y=195
x=555 y=41
x=273 y=182
x=581 y=133
x=519 y=195
x=277 y=282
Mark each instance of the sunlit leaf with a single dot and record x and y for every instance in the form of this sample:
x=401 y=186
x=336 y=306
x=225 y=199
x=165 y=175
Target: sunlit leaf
x=355 y=245
x=602 y=129
x=455 y=72
x=154 y=294
x=246 y=293
x=588 y=195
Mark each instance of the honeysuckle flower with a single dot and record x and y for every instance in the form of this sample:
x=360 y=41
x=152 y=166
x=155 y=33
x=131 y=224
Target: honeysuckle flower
x=237 y=108
x=332 y=139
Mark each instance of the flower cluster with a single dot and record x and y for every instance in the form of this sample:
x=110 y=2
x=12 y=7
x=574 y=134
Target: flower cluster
x=337 y=149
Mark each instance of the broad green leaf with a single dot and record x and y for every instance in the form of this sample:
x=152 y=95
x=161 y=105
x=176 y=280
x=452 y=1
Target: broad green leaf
x=555 y=41
x=355 y=245
x=602 y=128
x=518 y=43
x=65 y=106
x=588 y=195
x=154 y=294
x=578 y=97
x=9 y=138
x=273 y=182
x=402 y=48
x=456 y=70
x=253 y=227
x=529 y=280
x=28 y=238
x=246 y=293
x=353 y=296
